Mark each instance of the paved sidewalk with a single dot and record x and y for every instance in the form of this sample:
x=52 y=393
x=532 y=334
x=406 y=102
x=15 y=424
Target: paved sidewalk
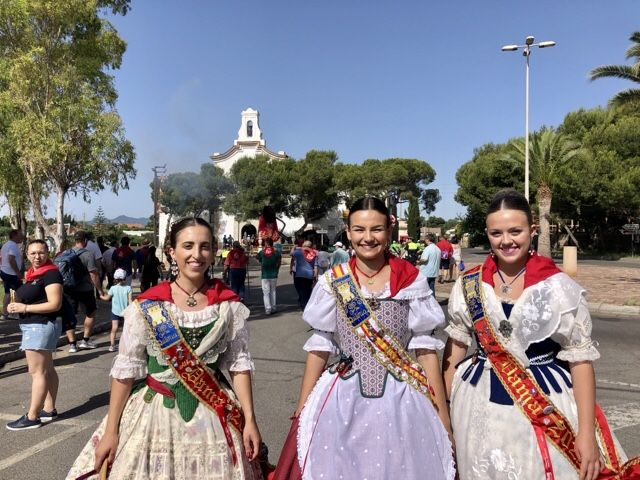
x=611 y=291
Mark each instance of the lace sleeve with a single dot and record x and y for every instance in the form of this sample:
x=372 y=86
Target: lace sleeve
x=131 y=361
x=459 y=327
x=236 y=357
x=425 y=316
x=574 y=335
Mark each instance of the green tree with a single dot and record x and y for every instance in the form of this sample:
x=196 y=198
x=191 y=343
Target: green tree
x=478 y=182
x=313 y=189
x=413 y=219
x=625 y=72
x=190 y=193
x=100 y=225
x=435 y=222
x=548 y=152
x=67 y=133
x=258 y=182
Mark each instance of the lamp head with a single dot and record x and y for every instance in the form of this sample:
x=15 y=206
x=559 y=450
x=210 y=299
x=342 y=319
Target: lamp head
x=529 y=40
x=546 y=44
x=509 y=48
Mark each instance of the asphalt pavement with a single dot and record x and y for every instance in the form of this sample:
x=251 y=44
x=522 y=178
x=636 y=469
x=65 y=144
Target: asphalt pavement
x=276 y=347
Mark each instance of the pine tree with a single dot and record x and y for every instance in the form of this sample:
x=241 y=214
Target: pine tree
x=100 y=223
x=413 y=219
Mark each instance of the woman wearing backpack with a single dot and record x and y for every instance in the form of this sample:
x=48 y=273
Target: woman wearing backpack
x=37 y=302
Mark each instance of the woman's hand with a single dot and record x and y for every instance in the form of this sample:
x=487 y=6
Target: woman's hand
x=15 y=307
x=589 y=455
x=106 y=450
x=252 y=440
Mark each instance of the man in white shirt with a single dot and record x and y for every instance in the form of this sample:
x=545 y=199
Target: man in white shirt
x=11 y=266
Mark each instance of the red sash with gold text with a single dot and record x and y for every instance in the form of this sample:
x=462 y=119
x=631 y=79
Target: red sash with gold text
x=525 y=392
x=189 y=368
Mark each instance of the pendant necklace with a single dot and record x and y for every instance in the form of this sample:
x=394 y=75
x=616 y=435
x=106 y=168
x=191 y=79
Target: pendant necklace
x=506 y=287
x=191 y=299
x=370 y=279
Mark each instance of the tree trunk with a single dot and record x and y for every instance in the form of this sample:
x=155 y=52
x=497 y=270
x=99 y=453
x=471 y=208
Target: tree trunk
x=543 y=197
x=36 y=202
x=60 y=234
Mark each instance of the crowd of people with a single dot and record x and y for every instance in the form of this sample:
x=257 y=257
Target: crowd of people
x=375 y=400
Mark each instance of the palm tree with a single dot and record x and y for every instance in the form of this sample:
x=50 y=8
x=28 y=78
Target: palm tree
x=548 y=151
x=627 y=72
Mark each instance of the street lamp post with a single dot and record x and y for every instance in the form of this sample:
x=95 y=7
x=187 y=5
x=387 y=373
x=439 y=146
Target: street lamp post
x=528 y=43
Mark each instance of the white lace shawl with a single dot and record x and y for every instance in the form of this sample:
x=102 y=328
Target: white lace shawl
x=554 y=308
x=425 y=315
x=228 y=339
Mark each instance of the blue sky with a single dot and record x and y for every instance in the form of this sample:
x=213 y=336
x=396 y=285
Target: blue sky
x=368 y=79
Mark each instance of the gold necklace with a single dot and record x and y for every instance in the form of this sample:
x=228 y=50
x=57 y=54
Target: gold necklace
x=191 y=299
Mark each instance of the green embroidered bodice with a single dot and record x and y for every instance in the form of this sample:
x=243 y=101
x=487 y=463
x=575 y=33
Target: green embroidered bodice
x=184 y=399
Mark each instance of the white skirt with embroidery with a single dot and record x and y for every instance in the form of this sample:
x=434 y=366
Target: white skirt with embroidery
x=350 y=437
x=156 y=443
x=497 y=442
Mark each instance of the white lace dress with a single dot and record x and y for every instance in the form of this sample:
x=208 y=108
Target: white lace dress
x=372 y=426
x=155 y=441
x=494 y=440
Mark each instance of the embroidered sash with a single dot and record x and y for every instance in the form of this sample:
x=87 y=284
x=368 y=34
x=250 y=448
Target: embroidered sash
x=384 y=347
x=545 y=419
x=190 y=369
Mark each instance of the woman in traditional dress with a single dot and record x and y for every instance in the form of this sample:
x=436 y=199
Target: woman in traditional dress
x=184 y=421
x=369 y=416
x=526 y=312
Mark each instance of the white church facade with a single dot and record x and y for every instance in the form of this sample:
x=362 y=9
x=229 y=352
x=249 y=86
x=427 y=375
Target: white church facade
x=251 y=143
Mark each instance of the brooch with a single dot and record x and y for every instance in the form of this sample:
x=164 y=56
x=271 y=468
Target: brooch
x=505 y=328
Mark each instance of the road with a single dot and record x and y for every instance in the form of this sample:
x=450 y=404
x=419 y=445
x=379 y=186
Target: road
x=47 y=453
x=478 y=255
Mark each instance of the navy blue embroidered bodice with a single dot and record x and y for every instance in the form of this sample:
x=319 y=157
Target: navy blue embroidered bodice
x=542 y=360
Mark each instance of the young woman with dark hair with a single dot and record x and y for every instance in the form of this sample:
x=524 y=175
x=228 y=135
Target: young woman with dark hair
x=377 y=412
x=514 y=404
x=184 y=420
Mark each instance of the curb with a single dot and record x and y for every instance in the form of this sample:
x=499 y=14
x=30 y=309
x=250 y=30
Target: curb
x=17 y=354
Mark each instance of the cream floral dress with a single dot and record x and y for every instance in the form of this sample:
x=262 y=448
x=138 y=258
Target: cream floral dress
x=161 y=438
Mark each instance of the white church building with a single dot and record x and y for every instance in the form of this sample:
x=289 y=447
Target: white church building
x=250 y=143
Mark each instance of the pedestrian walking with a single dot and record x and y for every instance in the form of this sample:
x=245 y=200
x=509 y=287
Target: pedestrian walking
x=456 y=259
x=235 y=268
x=37 y=303
x=121 y=296
x=366 y=416
x=270 y=260
x=123 y=258
x=517 y=409
x=430 y=261
x=151 y=271
x=11 y=264
x=446 y=252
x=323 y=260
x=186 y=337
x=304 y=270
x=339 y=255
x=80 y=278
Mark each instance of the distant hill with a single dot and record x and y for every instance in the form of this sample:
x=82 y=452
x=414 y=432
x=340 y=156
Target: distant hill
x=130 y=220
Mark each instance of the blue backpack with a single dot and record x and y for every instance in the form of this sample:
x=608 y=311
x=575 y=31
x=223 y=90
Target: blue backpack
x=71 y=267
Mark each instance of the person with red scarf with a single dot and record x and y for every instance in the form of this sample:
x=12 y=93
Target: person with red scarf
x=270 y=260
x=361 y=418
x=235 y=267
x=304 y=270
x=534 y=360
x=37 y=302
x=192 y=417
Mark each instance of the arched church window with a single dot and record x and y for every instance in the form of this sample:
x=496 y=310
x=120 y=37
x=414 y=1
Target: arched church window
x=249 y=128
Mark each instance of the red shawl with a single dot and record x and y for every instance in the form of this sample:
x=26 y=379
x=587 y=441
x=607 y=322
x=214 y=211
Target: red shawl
x=403 y=273
x=538 y=269
x=309 y=254
x=35 y=273
x=267 y=251
x=216 y=292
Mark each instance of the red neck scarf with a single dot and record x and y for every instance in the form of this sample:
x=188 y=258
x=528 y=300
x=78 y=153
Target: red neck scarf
x=35 y=273
x=236 y=254
x=538 y=269
x=267 y=251
x=216 y=292
x=402 y=275
x=309 y=254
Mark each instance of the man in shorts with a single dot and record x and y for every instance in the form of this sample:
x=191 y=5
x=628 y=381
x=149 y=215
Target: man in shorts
x=83 y=293
x=11 y=267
